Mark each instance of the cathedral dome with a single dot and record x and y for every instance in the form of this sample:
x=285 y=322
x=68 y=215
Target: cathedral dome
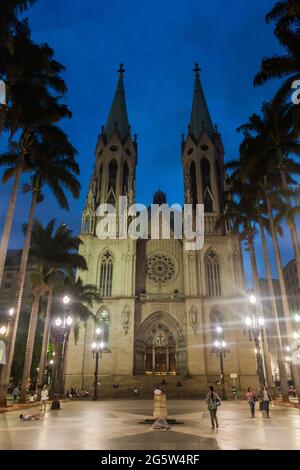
x=159 y=197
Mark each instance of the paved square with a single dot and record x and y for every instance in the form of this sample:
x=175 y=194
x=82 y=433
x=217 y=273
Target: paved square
x=113 y=424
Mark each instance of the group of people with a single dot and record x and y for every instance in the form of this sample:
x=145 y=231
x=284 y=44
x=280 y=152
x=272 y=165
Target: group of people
x=264 y=397
x=75 y=393
x=213 y=402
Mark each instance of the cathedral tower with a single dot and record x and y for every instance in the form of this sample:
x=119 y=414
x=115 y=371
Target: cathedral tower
x=202 y=155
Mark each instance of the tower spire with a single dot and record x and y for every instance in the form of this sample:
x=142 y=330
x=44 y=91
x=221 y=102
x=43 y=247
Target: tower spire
x=200 y=117
x=118 y=118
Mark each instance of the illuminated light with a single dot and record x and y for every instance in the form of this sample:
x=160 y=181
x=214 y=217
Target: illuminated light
x=217 y=344
x=261 y=321
x=223 y=344
x=3 y=330
x=98 y=331
x=256 y=350
x=101 y=345
x=94 y=345
x=252 y=299
x=51 y=362
x=69 y=321
x=295 y=335
x=11 y=311
x=297 y=317
x=287 y=348
x=288 y=358
x=66 y=299
x=248 y=321
x=219 y=329
x=58 y=321
x=53 y=354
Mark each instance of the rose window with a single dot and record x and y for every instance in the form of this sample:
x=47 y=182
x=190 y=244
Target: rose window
x=160 y=268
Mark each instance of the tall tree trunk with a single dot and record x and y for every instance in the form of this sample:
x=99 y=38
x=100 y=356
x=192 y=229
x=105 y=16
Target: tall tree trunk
x=255 y=280
x=9 y=220
x=3 y=111
x=278 y=343
x=14 y=320
x=30 y=345
x=293 y=229
x=286 y=310
x=43 y=358
x=285 y=304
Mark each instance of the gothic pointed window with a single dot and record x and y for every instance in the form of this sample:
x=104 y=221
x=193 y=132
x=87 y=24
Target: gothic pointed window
x=112 y=175
x=102 y=322
x=205 y=172
x=213 y=278
x=207 y=201
x=125 y=178
x=193 y=179
x=216 y=321
x=106 y=274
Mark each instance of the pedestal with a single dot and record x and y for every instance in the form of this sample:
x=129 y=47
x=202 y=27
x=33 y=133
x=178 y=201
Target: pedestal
x=160 y=406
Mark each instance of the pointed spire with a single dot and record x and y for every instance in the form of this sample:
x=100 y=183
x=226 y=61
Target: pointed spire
x=118 y=118
x=200 y=117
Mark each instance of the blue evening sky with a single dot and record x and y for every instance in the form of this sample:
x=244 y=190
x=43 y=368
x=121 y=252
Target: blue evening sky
x=158 y=41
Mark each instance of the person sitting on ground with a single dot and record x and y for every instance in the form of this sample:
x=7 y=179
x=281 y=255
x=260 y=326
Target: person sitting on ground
x=161 y=423
x=35 y=417
x=31 y=398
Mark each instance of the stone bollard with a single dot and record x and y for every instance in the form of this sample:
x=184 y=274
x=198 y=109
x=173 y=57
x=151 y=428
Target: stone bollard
x=160 y=406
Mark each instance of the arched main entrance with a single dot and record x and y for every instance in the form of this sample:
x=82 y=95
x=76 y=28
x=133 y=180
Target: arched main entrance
x=160 y=346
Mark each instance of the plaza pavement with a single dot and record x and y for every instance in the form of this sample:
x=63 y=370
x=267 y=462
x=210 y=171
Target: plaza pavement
x=114 y=424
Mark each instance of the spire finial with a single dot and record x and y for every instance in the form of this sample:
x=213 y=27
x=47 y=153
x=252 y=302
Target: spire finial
x=197 y=70
x=121 y=70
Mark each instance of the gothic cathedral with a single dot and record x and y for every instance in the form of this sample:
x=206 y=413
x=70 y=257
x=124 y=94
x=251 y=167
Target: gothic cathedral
x=162 y=305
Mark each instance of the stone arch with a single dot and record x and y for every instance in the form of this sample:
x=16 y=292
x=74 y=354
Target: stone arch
x=213 y=273
x=169 y=356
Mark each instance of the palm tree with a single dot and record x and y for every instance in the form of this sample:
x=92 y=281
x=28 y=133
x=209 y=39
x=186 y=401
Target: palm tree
x=56 y=253
x=240 y=210
x=27 y=69
x=265 y=177
x=53 y=165
x=285 y=13
x=37 y=111
x=287 y=66
x=82 y=298
x=39 y=288
x=275 y=317
x=277 y=137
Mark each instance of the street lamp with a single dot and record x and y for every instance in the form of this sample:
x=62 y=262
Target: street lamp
x=98 y=347
x=255 y=326
x=11 y=311
x=3 y=330
x=220 y=349
x=63 y=326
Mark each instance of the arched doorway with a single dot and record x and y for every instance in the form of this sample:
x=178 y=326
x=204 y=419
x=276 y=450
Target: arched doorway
x=160 y=346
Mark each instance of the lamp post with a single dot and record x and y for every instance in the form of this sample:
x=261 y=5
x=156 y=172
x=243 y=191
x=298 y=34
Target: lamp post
x=63 y=326
x=255 y=326
x=98 y=347
x=220 y=349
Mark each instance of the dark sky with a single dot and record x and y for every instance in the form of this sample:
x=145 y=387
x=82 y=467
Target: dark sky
x=158 y=41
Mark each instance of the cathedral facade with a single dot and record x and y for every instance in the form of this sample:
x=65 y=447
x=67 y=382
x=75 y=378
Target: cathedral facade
x=163 y=307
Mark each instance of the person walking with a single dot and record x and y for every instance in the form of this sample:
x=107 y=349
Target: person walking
x=265 y=399
x=15 y=393
x=213 y=401
x=251 y=397
x=44 y=398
